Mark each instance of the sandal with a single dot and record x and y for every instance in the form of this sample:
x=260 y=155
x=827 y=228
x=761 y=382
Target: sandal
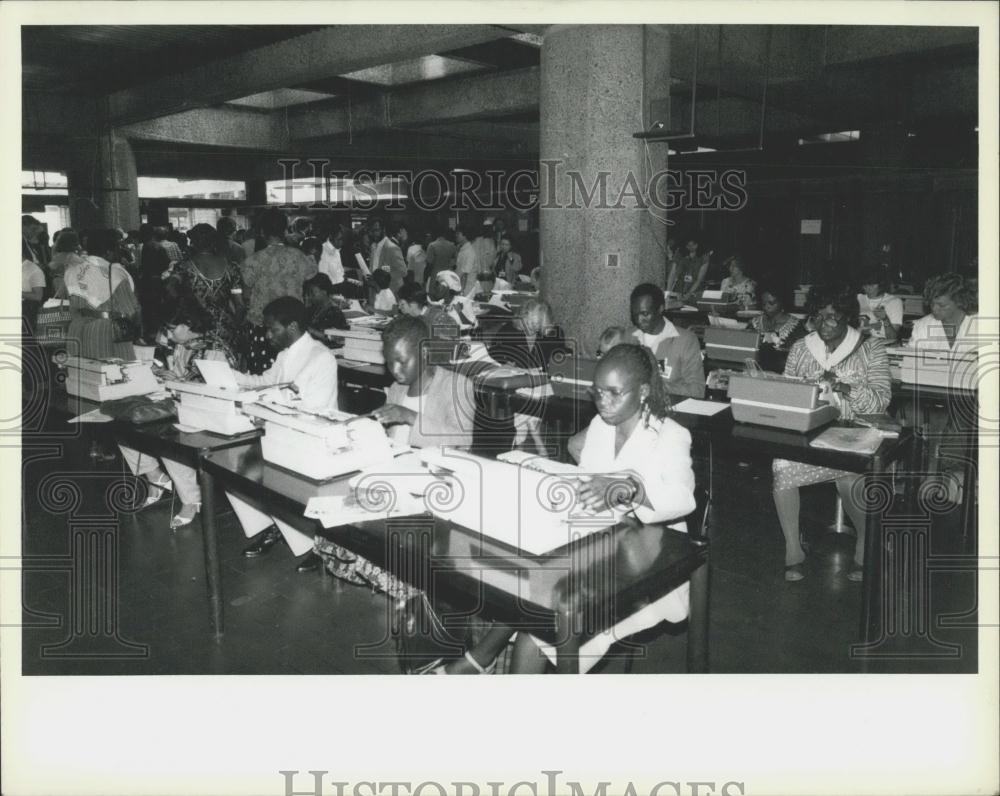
x=156 y=488
x=185 y=516
x=794 y=573
x=480 y=669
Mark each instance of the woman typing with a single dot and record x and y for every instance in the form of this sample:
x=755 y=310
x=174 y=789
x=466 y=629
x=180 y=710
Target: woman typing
x=636 y=460
x=856 y=370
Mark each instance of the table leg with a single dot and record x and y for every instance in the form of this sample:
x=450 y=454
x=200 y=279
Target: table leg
x=209 y=535
x=697 y=653
x=568 y=643
x=871 y=587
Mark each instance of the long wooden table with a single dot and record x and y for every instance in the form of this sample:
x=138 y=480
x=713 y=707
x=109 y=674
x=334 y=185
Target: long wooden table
x=563 y=597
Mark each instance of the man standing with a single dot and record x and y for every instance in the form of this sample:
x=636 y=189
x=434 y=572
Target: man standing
x=387 y=255
x=440 y=255
x=275 y=271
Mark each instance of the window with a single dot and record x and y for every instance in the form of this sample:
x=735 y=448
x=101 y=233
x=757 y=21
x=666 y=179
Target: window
x=172 y=188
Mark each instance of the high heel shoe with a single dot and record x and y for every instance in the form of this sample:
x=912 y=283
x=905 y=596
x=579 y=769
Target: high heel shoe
x=155 y=488
x=185 y=516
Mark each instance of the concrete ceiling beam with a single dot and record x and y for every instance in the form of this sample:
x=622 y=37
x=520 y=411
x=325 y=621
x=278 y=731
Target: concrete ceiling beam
x=324 y=53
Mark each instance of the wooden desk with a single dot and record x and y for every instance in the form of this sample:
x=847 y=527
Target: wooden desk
x=563 y=597
x=190 y=448
x=721 y=435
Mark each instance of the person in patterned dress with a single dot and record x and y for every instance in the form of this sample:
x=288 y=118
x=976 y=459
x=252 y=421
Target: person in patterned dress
x=856 y=368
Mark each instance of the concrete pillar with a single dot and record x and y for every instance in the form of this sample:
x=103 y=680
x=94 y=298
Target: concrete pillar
x=592 y=101
x=102 y=183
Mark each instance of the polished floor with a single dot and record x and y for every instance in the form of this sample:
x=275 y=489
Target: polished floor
x=144 y=609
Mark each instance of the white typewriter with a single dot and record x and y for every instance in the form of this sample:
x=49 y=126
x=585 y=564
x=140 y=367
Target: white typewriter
x=320 y=446
x=361 y=344
x=779 y=402
x=107 y=379
x=216 y=405
x=533 y=509
x=934 y=367
x=212 y=408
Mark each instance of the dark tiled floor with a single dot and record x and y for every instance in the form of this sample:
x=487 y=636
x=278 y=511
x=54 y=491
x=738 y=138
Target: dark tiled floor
x=281 y=622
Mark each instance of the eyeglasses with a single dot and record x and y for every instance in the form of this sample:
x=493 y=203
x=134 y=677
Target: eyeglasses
x=612 y=395
x=827 y=318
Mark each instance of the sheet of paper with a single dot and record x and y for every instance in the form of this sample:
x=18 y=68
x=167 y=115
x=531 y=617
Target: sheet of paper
x=692 y=406
x=217 y=374
x=93 y=416
x=362 y=265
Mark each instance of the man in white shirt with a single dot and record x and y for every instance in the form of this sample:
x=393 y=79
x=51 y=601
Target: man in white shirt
x=329 y=261
x=311 y=368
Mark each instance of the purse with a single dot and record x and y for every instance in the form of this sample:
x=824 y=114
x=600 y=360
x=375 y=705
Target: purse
x=124 y=328
x=140 y=409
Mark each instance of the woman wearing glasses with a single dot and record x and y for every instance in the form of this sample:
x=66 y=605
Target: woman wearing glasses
x=855 y=369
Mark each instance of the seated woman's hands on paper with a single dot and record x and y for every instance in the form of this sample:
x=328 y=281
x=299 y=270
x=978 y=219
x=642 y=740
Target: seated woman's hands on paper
x=393 y=414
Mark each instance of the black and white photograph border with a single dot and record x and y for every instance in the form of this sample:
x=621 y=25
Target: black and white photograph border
x=815 y=143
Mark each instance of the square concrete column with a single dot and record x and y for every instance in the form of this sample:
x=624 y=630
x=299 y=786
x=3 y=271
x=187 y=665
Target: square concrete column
x=598 y=241
x=102 y=183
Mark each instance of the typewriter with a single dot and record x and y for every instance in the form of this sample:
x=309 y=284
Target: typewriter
x=779 y=402
x=107 y=379
x=716 y=301
x=731 y=345
x=320 y=446
x=213 y=408
x=572 y=376
x=934 y=367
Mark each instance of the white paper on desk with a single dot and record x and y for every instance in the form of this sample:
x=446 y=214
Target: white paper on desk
x=849 y=440
x=689 y=308
x=93 y=416
x=362 y=265
x=335 y=510
x=711 y=295
x=692 y=406
x=537 y=392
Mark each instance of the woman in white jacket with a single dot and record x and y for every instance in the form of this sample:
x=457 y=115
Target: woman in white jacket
x=638 y=462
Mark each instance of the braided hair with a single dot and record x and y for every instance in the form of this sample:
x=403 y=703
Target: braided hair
x=639 y=361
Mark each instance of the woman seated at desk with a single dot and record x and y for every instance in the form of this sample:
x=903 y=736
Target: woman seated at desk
x=191 y=334
x=413 y=302
x=634 y=443
x=952 y=326
x=738 y=286
x=677 y=350
x=324 y=312
x=856 y=369
x=777 y=328
x=446 y=292
x=881 y=312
